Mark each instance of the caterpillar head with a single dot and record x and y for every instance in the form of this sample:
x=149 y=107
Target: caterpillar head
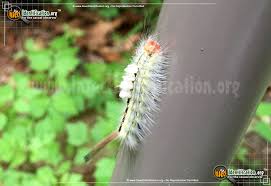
x=152 y=47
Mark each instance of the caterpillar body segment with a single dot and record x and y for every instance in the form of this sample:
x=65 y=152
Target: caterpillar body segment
x=144 y=97
x=143 y=84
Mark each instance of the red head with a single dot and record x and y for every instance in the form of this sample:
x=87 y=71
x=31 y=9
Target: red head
x=152 y=47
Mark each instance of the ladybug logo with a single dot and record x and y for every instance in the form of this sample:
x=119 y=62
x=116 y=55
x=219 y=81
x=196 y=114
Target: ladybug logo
x=14 y=13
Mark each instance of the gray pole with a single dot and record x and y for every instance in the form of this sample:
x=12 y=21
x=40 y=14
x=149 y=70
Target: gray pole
x=225 y=43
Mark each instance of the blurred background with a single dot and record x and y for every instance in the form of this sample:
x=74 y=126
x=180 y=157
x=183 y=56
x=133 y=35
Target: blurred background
x=59 y=94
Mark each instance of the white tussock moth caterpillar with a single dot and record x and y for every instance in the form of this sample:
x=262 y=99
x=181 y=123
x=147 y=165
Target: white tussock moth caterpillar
x=143 y=84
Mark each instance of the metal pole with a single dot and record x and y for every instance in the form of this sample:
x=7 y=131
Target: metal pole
x=222 y=43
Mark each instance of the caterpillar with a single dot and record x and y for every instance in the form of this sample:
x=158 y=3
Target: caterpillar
x=142 y=86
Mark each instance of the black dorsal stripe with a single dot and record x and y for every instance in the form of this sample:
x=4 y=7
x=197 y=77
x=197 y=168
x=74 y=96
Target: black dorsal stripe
x=124 y=115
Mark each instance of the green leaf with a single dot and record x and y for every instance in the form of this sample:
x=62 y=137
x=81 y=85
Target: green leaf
x=65 y=62
x=114 y=110
x=57 y=120
x=115 y=72
x=264 y=109
x=40 y=60
x=241 y=154
x=49 y=153
x=13 y=144
x=21 y=80
x=6 y=94
x=77 y=133
x=70 y=151
x=45 y=131
x=63 y=168
x=46 y=176
x=28 y=93
x=29 y=179
x=84 y=87
x=71 y=9
x=23 y=121
x=59 y=43
x=11 y=177
x=69 y=179
x=104 y=170
x=263 y=130
x=109 y=13
x=64 y=104
x=3 y=120
x=79 y=157
x=102 y=128
x=38 y=106
x=6 y=151
x=18 y=159
x=30 y=45
x=97 y=71
x=103 y=96
x=79 y=102
x=41 y=80
x=22 y=106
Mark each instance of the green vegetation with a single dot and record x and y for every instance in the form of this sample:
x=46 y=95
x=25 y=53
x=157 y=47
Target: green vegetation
x=262 y=127
x=43 y=134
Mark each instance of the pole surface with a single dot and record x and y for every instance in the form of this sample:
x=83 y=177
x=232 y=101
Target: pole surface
x=222 y=42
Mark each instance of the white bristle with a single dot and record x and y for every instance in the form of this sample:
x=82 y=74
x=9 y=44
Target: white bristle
x=143 y=84
x=125 y=94
x=127 y=84
x=142 y=87
x=131 y=69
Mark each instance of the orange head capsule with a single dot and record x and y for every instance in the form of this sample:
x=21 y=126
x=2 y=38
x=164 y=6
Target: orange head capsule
x=152 y=47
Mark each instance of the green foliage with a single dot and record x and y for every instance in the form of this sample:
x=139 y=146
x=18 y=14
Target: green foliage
x=63 y=168
x=262 y=127
x=21 y=106
x=107 y=124
x=3 y=121
x=13 y=146
x=64 y=104
x=263 y=130
x=38 y=106
x=97 y=71
x=264 y=109
x=80 y=153
x=108 y=13
x=241 y=154
x=40 y=114
x=31 y=45
x=40 y=60
x=59 y=58
x=50 y=116
x=68 y=5
x=104 y=171
x=65 y=62
x=77 y=133
x=70 y=179
x=103 y=73
x=6 y=94
x=46 y=176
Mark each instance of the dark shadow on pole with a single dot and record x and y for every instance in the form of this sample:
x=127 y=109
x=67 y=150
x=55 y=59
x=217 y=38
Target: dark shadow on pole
x=224 y=44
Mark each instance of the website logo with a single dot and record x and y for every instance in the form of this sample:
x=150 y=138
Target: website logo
x=220 y=172
x=15 y=13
